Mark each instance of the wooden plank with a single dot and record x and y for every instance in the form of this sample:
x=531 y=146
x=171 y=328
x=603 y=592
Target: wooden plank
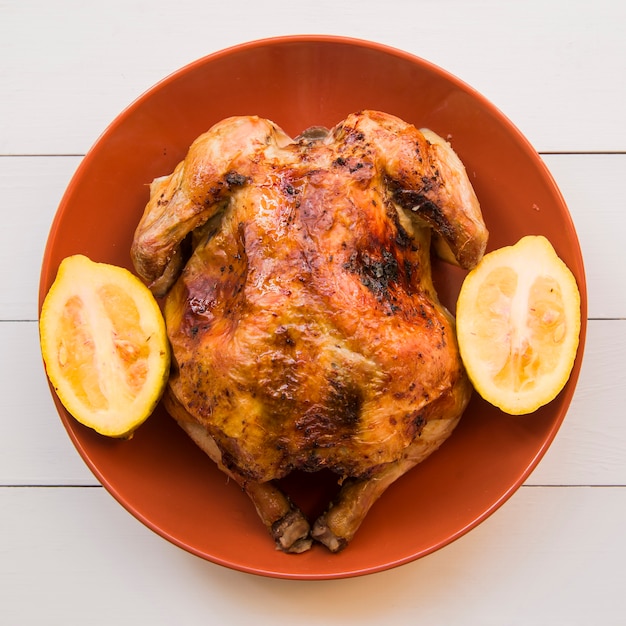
x=591 y=187
x=34 y=447
x=555 y=75
x=33 y=187
x=588 y=450
x=74 y=556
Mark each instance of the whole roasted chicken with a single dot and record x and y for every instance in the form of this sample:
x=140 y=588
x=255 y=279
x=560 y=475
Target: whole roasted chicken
x=305 y=329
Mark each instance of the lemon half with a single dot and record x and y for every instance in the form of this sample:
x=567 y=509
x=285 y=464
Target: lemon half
x=518 y=325
x=104 y=345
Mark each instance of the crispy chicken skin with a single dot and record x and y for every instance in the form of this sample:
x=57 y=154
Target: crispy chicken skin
x=305 y=328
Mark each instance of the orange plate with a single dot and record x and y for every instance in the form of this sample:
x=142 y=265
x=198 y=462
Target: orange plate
x=160 y=476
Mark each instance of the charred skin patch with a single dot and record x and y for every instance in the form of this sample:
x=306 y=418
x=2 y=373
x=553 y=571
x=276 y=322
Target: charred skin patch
x=345 y=401
x=415 y=422
x=234 y=179
x=335 y=419
x=360 y=167
x=418 y=203
x=377 y=273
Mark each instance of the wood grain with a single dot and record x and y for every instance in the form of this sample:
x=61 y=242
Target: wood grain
x=547 y=557
x=553 y=67
x=553 y=554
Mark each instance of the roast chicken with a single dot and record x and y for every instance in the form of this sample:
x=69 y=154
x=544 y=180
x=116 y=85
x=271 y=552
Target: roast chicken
x=306 y=332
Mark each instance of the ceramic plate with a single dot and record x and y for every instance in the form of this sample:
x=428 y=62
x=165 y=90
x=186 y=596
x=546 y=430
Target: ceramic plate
x=298 y=82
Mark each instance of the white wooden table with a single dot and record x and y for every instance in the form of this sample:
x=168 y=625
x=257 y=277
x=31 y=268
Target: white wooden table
x=553 y=554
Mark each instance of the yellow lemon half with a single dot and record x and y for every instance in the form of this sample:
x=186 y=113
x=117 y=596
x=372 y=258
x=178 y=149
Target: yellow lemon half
x=518 y=325
x=104 y=345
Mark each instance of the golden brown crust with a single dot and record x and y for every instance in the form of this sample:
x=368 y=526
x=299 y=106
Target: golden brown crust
x=305 y=328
